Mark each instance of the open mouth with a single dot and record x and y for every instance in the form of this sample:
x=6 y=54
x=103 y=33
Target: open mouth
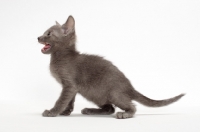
x=46 y=47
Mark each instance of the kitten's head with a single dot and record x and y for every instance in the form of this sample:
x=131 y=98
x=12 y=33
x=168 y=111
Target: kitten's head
x=59 y=37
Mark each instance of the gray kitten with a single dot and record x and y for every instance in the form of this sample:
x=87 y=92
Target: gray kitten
x=95 y=78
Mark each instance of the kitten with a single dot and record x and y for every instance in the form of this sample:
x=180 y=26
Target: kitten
x=95 y=78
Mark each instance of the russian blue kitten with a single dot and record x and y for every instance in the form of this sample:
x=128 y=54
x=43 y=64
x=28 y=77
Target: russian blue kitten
x=95 y=78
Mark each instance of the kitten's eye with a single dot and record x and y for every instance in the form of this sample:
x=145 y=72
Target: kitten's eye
x=48 y=33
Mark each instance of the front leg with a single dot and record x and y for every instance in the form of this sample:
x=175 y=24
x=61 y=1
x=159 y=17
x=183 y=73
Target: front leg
x=69 y=108
x=67 y=94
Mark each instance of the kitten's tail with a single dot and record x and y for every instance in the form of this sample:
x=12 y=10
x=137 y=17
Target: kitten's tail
x=154 y=103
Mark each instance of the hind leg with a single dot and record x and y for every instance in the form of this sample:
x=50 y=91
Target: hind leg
x=125 y=104
x=104 y=110
x=129 y=112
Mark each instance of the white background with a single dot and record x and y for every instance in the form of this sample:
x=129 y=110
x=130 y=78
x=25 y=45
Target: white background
x=155 y=43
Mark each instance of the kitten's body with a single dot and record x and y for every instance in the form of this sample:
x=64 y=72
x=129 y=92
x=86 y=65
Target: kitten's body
x=95 y=78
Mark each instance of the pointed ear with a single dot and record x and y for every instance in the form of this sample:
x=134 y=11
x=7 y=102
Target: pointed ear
x=69 y=24
x=58 y=24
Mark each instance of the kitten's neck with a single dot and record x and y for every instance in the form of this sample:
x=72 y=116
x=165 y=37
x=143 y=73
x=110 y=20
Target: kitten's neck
x=63 y=55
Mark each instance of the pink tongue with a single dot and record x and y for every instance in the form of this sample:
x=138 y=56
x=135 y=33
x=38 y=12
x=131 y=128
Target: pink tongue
x=46 y=46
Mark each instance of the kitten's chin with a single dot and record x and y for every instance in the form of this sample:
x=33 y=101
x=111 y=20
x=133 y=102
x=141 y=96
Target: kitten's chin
x=46 y=52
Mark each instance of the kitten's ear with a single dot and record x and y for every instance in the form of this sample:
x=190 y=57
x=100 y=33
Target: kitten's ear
x=69 y=25
x=58 y=24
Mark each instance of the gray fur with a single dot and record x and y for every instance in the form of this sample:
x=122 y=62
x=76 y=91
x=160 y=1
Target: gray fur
x=95 y=78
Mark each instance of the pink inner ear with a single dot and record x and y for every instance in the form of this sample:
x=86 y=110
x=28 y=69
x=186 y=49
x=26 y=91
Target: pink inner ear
x=65 y=30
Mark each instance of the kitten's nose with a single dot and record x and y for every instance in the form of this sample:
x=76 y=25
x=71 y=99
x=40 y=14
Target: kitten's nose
x=38 y=38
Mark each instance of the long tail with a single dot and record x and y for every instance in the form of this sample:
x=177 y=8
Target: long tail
x=154 y=103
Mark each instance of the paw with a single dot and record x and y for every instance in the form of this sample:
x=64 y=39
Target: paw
x=123 y=115
x=48 y=113
x=66 y=112
x=85 y=111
